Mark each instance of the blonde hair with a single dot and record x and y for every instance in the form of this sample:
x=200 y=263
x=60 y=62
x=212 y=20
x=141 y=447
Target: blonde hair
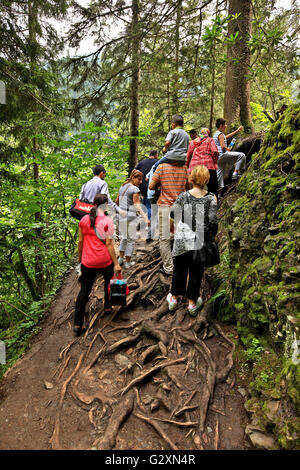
x=200 y=176
x=205 y=131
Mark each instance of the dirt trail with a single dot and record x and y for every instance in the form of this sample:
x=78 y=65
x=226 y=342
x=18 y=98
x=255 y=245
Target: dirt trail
x=140 y=378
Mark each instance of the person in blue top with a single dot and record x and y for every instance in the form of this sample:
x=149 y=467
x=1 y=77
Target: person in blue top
x=225 y=153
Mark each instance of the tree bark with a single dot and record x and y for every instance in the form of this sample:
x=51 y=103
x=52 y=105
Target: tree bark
x=32 y=27
x=237 y=86
x=135 y=86
x=175 y=93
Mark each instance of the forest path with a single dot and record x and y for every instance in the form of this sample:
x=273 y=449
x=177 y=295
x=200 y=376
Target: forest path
x=138 y=379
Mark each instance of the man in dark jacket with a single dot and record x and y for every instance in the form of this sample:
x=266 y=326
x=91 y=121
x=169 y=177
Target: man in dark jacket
x=145 y=166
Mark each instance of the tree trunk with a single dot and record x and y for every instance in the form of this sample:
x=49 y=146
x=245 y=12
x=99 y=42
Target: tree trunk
x=237 y=87
x=213 y=78
x=175 y=93
x=135 y=86
x=32 y=27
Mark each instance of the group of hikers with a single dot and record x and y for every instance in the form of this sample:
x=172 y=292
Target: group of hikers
x=176 y=196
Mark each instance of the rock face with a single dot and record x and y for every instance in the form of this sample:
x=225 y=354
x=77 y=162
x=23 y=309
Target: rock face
x=261 y=253
x=259 y=440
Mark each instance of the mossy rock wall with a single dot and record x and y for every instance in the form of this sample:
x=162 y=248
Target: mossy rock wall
x=261 y=230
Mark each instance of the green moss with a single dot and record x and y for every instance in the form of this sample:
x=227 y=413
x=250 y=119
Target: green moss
x=262 y=256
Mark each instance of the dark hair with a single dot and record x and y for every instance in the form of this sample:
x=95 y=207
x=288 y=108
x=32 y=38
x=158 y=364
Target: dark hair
x=220 y=122
x=98 y=169
x=177 y=119
x=99 y=200
x=153 y=153
x=193 y=131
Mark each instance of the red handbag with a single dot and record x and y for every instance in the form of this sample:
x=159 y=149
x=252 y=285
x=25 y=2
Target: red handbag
x=79 y=209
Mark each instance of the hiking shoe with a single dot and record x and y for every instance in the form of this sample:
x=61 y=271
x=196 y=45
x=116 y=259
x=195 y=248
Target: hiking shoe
x=235 y=176
x=120 y=261
x=78 y=330
x=192 y=309
x=161 y=270
x=129 y=264
x=171 y=301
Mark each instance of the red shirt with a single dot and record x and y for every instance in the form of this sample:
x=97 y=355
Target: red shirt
x=94 y=253
x=202 y=152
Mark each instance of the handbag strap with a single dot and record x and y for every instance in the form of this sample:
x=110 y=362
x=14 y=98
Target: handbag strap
x=101 y=239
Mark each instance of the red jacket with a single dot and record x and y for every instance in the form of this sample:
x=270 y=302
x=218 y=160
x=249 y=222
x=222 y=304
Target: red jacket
x=202 y=151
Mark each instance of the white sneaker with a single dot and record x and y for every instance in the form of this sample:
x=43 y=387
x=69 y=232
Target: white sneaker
x=120 y=261
x=171 y=301
x=236 y=176
x=129 y=264
x=192 y=309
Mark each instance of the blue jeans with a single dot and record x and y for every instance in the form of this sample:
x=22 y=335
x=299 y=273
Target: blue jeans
x=147 y=204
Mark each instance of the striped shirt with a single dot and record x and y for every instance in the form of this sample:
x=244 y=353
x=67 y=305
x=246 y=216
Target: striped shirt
x=172 y=178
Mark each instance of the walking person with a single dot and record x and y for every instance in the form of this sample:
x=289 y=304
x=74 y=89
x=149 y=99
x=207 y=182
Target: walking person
x=130 y=203
x=195 y=222
x=172 y=179
x=203 y=151
x=96 y=253
x=97 y=185
x=238 y=159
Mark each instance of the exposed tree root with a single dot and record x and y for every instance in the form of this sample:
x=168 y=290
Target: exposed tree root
x=120 y=413
x=161 y=345
x=158 y=429
x=151 y=371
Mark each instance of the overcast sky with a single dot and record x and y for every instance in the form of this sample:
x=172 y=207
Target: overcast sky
x=87 y=45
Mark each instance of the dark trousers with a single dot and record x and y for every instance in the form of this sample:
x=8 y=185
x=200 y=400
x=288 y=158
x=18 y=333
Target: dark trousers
x=87 y=281
x=212 y=185
x=185 y=267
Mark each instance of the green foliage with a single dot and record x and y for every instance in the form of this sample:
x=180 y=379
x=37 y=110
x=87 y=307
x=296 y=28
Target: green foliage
x=64 y=165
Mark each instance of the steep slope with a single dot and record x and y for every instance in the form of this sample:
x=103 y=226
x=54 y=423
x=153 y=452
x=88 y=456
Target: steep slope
x=258 y=278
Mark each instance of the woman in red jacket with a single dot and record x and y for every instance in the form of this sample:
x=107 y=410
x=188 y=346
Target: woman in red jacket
x=96 y=253
x=203 y=151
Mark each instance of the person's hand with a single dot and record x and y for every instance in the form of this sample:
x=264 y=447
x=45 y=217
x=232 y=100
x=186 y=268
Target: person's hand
x=123 y=213
x=147 y=222
x=118 y=269
x=164 y=150
x=241 y=128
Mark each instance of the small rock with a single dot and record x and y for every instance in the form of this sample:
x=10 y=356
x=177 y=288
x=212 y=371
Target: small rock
x=154 y=405
x=48 y=385
x=242 y=391
x=106 y=381
x=272 y=407
x=122 y=360
x=147 y=399
x=260 y=440
x=209 y=429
